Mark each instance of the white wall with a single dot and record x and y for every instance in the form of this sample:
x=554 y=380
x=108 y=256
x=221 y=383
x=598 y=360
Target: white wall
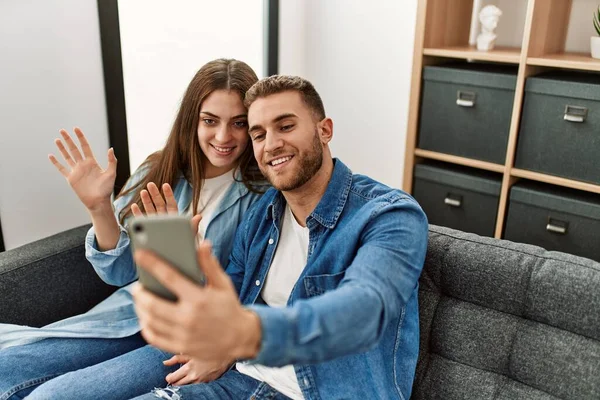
x=50 y=78
x=164 y=43
x=358 y=54
x=293 y=31
x=580 y=26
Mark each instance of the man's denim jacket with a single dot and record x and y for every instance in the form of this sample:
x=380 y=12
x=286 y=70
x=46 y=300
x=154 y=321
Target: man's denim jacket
x=351 y=327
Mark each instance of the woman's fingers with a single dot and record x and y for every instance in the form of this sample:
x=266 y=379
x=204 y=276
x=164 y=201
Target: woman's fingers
x=157 y=199
x=177 y=359
x=85 y=146
x=186 y=380
x=135 y=210
x=170 y=199
x=112 y=161
x=71 y=145
x=61 y=168
x=155 y=203
x=147 y=202
x=177 y=375
x=195 y=223
x=64 y=152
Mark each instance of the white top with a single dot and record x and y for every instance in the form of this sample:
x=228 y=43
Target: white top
x=212 y=192
x=288 y=263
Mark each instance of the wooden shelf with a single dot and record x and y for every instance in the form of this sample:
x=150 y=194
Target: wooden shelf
x=443 y=32
x=579 y=61
x=432 y=155
x=506 y=55
x=555 y=180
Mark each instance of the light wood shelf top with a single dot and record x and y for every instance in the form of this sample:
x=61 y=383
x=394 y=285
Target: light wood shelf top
x=555 y=180
x=432 y=155
x=500 y=54
x=580 y=61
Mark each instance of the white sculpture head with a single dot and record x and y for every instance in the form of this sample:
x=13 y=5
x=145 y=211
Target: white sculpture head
x=489 y=17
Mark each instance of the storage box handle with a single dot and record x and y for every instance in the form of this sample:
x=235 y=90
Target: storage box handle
x=575 y=113
x=453 y=200
x=465 y=99
x=556 y=226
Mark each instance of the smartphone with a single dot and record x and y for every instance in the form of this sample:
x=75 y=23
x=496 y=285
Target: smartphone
x=172 y=239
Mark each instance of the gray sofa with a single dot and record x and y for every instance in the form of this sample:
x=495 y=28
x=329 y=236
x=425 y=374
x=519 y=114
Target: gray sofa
x=49 y=280
x=499 y=320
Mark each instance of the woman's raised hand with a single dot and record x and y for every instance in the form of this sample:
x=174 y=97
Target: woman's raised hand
x=92 y=184
x=154 y=202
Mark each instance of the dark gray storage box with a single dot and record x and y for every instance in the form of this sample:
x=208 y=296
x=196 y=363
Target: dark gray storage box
x=560 y=126
x=458 y=197
x=466 y=110
x=554 y=218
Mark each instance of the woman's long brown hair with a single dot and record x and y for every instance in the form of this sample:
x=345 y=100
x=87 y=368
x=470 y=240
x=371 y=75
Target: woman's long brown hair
x=182 y=153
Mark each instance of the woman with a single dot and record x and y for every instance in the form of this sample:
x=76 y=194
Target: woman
x=207 y=167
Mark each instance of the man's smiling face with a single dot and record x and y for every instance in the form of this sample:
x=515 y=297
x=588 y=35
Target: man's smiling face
x=285 y=138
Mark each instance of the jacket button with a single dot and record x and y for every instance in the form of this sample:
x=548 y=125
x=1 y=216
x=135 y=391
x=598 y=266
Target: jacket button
x=257 y=282
x=271 y=241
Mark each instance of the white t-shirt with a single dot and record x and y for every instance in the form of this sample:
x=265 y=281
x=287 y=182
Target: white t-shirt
x=211 y=194
x=288 y=263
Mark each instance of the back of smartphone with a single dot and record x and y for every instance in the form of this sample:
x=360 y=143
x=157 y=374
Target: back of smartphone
x=172 y=239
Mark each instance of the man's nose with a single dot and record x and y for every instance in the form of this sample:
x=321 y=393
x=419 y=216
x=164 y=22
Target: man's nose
x=272 y=142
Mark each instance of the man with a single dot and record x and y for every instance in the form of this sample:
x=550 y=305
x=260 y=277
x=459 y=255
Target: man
x=326 y=266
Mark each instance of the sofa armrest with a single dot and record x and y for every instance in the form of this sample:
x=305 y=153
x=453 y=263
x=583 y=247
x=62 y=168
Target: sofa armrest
x=49 y=280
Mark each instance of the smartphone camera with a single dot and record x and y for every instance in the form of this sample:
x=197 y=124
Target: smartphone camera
x=138 y=231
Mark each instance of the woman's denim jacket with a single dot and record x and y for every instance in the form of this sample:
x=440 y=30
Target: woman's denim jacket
x=115 y=316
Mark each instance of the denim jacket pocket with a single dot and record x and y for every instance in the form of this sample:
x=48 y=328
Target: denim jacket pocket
x=316 y=285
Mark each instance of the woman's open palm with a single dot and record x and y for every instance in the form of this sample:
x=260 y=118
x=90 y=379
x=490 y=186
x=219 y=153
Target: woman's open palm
x=92 y=184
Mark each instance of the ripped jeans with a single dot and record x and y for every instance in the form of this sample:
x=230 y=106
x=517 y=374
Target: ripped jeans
x=232 y=385
x=82 y=369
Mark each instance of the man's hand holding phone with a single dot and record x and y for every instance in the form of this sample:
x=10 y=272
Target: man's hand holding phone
x=206 y=323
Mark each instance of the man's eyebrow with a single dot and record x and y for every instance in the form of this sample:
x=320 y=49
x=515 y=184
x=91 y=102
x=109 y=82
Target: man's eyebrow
x=254 y=128
x=216 y=116
x=284 y=116
x=275 y=120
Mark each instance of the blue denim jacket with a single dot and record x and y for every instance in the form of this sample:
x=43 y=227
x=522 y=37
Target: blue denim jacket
x=115 y=316
x=351 y=326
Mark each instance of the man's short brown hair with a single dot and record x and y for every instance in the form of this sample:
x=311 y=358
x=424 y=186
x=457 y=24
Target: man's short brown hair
x=283 y=83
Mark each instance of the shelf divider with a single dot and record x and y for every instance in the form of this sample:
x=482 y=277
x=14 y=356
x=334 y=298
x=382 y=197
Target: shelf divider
x=508 y=55
x=432 y=155
x=578 y=61
x=555 y=180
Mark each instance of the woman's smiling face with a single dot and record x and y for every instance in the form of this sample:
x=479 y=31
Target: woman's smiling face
x=222 y=131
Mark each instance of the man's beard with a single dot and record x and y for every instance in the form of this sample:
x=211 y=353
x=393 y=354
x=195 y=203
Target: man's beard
x=310 y=164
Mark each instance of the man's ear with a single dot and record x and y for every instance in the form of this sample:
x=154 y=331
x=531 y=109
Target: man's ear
x=325 y=128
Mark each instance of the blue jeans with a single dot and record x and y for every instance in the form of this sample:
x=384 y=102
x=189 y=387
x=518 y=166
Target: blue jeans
x=232 y=385
x=82 y=369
